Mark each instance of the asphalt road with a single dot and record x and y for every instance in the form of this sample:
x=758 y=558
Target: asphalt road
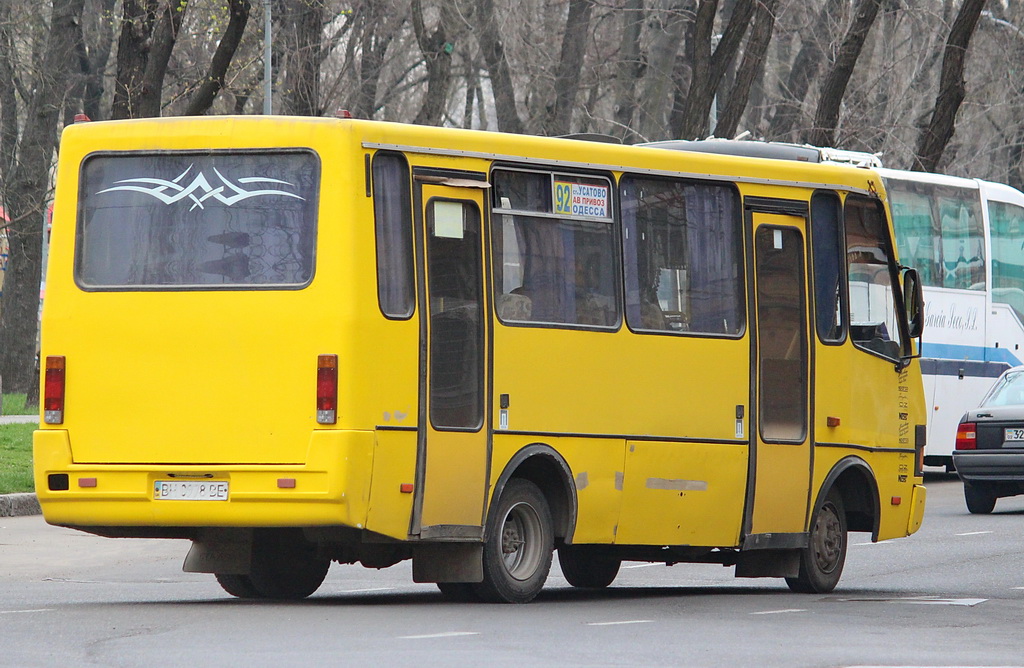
x=953 y=594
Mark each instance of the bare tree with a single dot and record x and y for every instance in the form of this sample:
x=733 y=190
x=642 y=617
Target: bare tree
x=691 y=120
x=303 y=25
x=25 y=195
x=214 y=81
x=826 y=119
x=493 y=50
x=752 y=64
x=936 y=135
x=567 y=75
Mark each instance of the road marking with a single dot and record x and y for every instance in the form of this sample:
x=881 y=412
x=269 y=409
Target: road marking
x=362 y=591
x=973 y=533
x=449 y=634
x=15 y=612
x=631 y=621
x=778 y=612
x=969 y=602
x=642 y=565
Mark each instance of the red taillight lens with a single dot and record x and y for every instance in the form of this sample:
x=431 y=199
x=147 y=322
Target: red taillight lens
x=53 y=390
x=966 y=436
x=327 y=389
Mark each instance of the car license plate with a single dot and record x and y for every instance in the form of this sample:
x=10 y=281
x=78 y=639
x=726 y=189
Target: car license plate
x=1013 y=434
x=190 y=490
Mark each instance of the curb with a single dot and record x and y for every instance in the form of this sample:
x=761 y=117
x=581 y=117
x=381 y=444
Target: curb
x=18 y=505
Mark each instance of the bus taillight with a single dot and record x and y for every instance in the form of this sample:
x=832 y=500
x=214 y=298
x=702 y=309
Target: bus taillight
x=327 y=389
x=53 y=390
x=966 y=436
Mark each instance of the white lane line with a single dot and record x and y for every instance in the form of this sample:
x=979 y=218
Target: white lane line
x=15 y=612
x=629 y=621
x=361 y=591
x=449 y=634
x=968 y=602
x=973 y=533
x=642 y=565
x=778 y=612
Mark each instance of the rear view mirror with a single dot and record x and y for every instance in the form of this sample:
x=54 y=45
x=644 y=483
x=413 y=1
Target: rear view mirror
x=913 y=301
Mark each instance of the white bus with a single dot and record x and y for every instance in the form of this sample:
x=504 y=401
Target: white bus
x=966 y=238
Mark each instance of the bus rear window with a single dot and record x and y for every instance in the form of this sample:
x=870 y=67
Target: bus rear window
x=186 y=220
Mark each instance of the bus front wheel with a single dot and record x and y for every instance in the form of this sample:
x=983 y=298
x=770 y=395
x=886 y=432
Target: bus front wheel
x=518 y=551
x=821 y=562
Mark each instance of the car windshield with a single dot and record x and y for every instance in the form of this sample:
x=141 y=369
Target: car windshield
x=1008 y=390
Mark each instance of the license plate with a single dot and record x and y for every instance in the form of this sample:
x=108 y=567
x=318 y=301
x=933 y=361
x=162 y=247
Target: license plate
x=190 y=490
x=1013 y=434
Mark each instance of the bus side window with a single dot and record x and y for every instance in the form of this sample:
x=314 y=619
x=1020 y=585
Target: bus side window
x=873 y=324
x=553 y=266
x=392 y=212
x=826 y=236
x=683 y=256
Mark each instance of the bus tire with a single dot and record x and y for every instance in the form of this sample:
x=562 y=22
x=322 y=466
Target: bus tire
x=285 y=565
x=980 y=499
x=821 y=562
x=518 y=550
x=586 y=567
x=461 y=592
x=239 y=586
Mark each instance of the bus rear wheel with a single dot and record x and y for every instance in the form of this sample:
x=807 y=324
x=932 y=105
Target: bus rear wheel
x=239 y=586
x=284 y=565
x=585 y=567
x=821 y=562
x=518 y=550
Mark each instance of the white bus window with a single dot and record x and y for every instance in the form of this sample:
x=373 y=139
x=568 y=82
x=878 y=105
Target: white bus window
x=873 y=323
x=554 y=249
x=392 y=214
x=186 y=220
x=939 y=232
x=683 y=256
x=1007 y=221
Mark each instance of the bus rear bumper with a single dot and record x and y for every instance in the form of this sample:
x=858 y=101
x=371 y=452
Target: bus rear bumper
x=331 y=488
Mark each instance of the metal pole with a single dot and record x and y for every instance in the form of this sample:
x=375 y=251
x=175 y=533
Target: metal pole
x=268 y=84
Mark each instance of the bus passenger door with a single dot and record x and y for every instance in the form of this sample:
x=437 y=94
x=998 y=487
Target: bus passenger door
x=780 y=438
x=452 y=452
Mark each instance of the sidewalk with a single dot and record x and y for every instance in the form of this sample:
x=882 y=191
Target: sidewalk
x=18 y=419
x=16 y=505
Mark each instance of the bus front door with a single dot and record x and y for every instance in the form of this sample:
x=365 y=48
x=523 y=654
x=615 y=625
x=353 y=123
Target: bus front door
x=782 y=453
x=452 y=452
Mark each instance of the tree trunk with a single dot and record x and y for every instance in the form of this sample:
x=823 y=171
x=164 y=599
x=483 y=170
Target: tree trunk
x=805 y=67
x=207 y=93
x=165 y=34
x=305 y=24
x=132 y=53
x=567 y=76
x=497 y=68
x=95 y=57
x=628 y=70
x=752 y=64
x=8 y=95
x=437 y=54
x=374 y=41
x=933 y=139
x=709 y=67
x=26 y=195
x=826 y=119
x=667 y=20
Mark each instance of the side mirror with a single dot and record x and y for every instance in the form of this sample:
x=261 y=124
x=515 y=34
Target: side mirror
x=913 y=302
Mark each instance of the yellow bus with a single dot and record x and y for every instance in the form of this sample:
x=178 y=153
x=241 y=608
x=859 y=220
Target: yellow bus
x=294 y=341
